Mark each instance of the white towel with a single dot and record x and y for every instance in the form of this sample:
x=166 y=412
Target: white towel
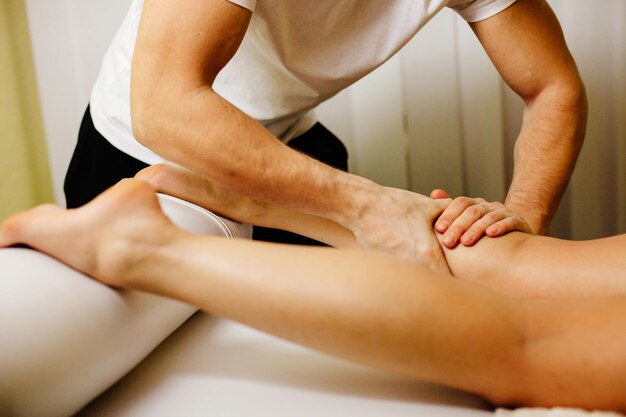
x=553 y=412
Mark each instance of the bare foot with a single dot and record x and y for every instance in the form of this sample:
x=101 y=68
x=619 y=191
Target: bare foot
x=104 y=239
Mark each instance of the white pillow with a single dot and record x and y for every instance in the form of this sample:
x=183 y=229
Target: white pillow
x=65 y=338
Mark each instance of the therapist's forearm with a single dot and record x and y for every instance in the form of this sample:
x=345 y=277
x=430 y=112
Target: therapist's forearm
x=184 y=184
x=207 y=134
x=176 y=113
x=546 y=152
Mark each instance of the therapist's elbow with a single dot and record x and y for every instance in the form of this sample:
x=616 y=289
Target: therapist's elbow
x=581 y=102
x=575 y=94
x=575 y=107
x=156 y=117
x=570 y=96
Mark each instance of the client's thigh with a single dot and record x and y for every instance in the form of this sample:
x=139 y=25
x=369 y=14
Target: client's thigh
x=65 y=338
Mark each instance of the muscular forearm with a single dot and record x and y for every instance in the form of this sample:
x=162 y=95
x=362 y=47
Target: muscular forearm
x=546 y=152
x=526 y=44
x=368 y=307
x=188 y=186
x=315 y=227
x=176 y=113
x=237 y=152
x=185 y=184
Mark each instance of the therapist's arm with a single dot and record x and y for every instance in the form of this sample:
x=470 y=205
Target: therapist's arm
x=518 y=264
x=184 y=184
x=526 y=44
x=180 y=49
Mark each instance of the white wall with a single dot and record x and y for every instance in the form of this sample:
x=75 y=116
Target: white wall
x=436 y=115
x=69 y=38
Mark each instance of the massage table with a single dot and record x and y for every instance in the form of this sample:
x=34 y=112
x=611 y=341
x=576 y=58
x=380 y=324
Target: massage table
x=215 y=367
x=69 y=344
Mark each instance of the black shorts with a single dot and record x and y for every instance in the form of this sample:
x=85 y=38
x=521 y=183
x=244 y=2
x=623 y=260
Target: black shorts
x=97 y=165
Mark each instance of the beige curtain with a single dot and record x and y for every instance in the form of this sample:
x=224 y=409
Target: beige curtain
x=24 y=172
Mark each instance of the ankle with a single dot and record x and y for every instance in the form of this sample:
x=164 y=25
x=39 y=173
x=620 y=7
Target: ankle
x=153 y=266
x=126 y=260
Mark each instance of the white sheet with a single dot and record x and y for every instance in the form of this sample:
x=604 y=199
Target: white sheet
x=65 y=338
x=215 y=367
x=554 y=412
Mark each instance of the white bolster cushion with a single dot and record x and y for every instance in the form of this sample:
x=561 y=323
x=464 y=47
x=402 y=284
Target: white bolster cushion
x=65 y=338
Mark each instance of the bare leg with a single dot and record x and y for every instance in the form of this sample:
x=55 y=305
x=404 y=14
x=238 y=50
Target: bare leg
x=523 y=265
x=517 y=264
x=369 y=307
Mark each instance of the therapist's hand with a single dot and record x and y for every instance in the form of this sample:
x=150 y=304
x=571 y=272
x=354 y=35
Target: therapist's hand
x=401 y=222
x=466 y=220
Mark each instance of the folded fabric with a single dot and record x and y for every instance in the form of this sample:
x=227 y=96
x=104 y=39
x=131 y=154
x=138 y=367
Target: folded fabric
x=554 y=412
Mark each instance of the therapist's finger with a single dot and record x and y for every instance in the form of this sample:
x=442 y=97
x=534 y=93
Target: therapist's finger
x=479 y=228
x=453 y=211
x=463 y=223
x=439 y=206
x=438 y=193
x=509 y=224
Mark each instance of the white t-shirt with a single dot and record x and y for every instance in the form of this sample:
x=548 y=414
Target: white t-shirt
x=295 y=55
